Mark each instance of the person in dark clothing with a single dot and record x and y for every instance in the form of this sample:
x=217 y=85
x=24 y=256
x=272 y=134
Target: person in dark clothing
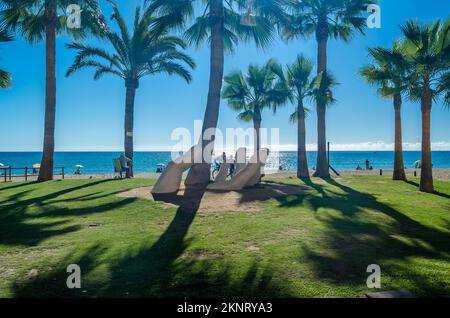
x=126 y=164
x=232 y=168
x=367 y=164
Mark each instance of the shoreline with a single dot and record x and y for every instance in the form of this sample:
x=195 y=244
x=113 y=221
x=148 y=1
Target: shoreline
x=438 y=174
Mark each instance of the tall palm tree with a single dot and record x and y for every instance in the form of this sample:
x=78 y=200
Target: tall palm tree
x=43 y=20
x=221 y=24
x=300 y=83
x=325 y=19
x=149 y=50
x=5 y=77
x=322 y=89
x=262 y=87
x=428 y=53
x=390 y=72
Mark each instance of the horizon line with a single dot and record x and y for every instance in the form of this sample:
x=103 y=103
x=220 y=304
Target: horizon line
x=169 y=151
x=378 y=146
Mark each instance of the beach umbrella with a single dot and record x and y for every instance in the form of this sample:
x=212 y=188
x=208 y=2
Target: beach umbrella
x=79 y=166
x=37 y=166
x=1 y=164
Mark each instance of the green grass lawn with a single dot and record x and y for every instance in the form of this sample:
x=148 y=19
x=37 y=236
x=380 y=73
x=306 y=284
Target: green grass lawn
x=310 y=245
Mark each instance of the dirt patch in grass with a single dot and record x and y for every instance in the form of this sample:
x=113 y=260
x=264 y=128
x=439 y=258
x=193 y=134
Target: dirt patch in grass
x=228 y=201
x=202 y=255
x=252 y=248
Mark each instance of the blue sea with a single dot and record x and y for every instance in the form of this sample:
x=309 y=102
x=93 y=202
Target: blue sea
x=101 y=162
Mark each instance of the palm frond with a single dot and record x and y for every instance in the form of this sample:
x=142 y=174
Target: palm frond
x=342 y=18
x=293 y=118
x=6 y=36
x=198 y=32
x=443 y=88
x=246 y=116
x=171 y=68
x=261 y=87
x=322 y=91
x=5 y=79
x=427 y=50
x=390 y=71
x=29 y=18
x=149 y=50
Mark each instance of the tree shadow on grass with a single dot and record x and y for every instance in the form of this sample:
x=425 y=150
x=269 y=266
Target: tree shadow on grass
x=285 y=193
x=347 y=244
x=19 y=226
x=16 y=185
x=404 y=225
x=444 y=195
x=297 y=200
x=189 y=201
x=351 y=241
x=163 y=269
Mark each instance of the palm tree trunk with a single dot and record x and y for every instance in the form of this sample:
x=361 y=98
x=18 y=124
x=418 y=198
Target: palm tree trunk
x=200 y=173
x=322 y=161
x=257 y=119
x=426 y=176
x=129 y=123
x=302 y=161
x=47 y=162
x=399 y=168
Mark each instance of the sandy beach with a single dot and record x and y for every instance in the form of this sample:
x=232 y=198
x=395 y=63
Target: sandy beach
x=438 y=174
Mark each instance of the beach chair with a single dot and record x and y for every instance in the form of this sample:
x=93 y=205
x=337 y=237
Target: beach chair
x=247 y=177
x=118 y=170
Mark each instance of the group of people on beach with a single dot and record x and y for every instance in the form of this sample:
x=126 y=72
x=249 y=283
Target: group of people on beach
x=368 y=166
x=223 y=159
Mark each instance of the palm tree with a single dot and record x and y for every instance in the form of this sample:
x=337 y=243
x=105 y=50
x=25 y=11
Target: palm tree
x=262 y=87
x=221 y=24
x=428 y=53
x=300 y=83
x=42 y=20
x=324 y=18
x=5 y=77
x=390 y=73
x=149 y=50
x=322 y=89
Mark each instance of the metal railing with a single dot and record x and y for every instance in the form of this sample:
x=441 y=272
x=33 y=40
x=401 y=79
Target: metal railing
x=6 y=173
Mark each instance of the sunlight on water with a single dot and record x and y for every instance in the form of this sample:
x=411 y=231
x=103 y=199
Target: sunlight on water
x=101 y=162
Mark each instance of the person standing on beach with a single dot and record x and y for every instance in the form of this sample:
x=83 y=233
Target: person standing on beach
x=367 y=164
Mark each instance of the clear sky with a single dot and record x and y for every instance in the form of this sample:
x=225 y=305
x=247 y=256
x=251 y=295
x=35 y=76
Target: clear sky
x=90 y=113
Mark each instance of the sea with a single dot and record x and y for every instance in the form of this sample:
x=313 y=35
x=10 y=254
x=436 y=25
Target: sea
x=145 y=162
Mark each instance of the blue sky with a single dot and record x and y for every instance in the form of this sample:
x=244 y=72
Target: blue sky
x=90 y=113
